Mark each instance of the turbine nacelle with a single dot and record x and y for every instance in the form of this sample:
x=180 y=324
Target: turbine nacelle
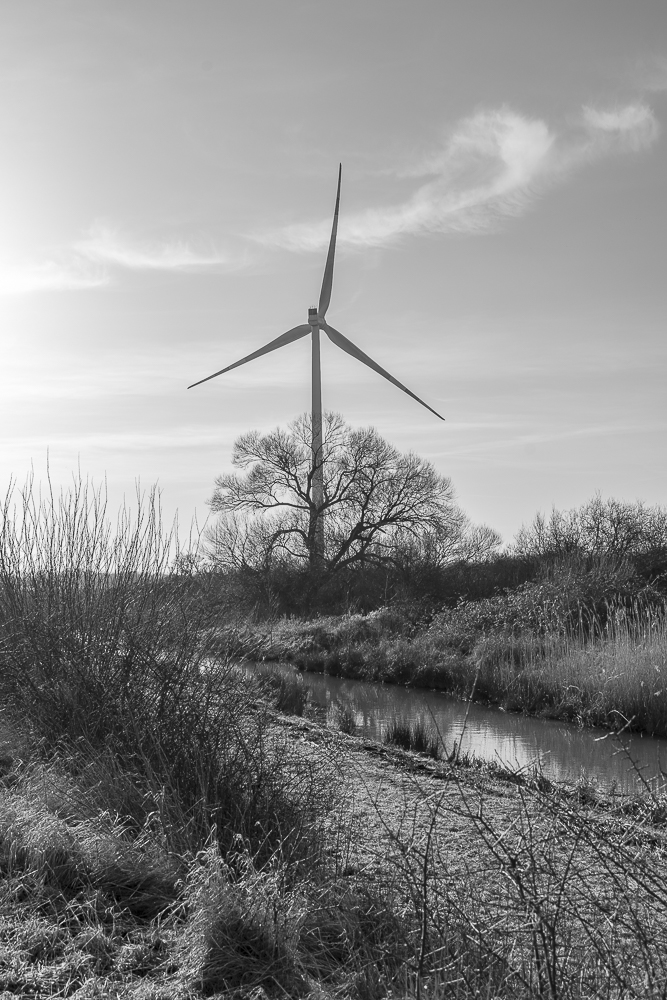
x=314 y=319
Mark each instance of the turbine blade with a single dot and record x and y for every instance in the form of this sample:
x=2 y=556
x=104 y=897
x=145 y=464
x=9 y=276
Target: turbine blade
x=327 y=281
x=346 y=345
x=285 y=338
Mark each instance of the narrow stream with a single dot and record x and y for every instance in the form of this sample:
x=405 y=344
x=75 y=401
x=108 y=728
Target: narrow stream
x=563 y=751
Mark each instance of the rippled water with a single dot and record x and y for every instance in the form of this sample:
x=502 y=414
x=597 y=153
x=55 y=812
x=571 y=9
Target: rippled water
x=563 y=750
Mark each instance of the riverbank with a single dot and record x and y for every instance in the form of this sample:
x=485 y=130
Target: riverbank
x=433 y=880
x=163 y=833
x=435 y=723
x=615 y=678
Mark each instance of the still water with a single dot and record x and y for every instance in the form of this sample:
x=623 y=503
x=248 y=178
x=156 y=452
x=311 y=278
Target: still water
x=563 y=751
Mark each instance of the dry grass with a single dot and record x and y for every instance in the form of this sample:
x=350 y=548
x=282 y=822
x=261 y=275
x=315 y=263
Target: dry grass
x=90 y=902
x=417 y=736
x=515 y=887
x=594 y=674
x=617 y=678
x=161 y=837
x=286 y=693
x=463 y=884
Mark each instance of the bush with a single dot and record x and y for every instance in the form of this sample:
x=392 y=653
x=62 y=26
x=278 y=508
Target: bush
x=108 y=657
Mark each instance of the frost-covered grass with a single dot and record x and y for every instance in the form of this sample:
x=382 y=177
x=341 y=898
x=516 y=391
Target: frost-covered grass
x=94 y=902
x=161 y=836
x=543 y=891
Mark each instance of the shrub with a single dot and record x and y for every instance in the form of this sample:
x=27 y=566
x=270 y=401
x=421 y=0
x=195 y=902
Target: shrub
x=108 y=657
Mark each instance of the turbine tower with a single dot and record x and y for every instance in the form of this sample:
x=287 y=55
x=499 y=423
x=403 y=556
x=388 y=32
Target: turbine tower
x=316 y=322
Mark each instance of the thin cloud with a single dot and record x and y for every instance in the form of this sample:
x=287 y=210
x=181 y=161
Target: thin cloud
x=491 y=168
x=491 y=446
x=89 y=263
x=51 y=276
x=106 y=246
x=174 y=437
x=629 y=128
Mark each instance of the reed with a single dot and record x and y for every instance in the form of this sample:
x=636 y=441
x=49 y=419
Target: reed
x=287 y=693
x=606 y=671
x=612 y=676
x=343 y=717
x=415 y=736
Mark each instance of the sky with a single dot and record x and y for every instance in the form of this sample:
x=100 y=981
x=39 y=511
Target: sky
x=168 y=174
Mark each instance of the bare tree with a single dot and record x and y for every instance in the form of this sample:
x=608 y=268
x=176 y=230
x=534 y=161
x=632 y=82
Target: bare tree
x=600 y=528
x=375 y=501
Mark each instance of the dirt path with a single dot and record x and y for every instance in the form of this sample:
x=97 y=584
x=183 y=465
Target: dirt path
x=392 y=798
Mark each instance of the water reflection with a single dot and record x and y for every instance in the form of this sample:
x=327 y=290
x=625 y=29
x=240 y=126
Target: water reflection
x=563 y=750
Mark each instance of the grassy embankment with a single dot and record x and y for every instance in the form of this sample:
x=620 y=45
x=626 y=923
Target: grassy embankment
x=158 y=835
x=579 y=670
x=161 y=837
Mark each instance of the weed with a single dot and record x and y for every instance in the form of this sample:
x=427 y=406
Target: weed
x=343 y=717
x=415 y=736
x=287 y=692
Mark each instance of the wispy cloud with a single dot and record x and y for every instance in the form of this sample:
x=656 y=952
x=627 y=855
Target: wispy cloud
x=627 y=128
x=491 y=167
x=90 y=262
x=50 y=276
x=106 y=245
x=80 y=443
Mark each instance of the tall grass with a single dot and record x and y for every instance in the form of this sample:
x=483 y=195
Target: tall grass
x=106 y=656
x=90 y=903
x=305 y=641
x=416 y=736
x=606 y=671
x=287 y=693
x=613 y=676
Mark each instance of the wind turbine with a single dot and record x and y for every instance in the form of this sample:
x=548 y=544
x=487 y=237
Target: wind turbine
x=316 y=322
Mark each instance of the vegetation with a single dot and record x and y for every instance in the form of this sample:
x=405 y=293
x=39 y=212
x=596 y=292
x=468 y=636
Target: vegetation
x=161 y=836
x=561 y=897
x=415 y=736
x=380 y=509
x=509 y=887
x=568 y=622
x=607 y=673
x=158 y=835
x=287 y=693
x=583 y=638
x=602 y=529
